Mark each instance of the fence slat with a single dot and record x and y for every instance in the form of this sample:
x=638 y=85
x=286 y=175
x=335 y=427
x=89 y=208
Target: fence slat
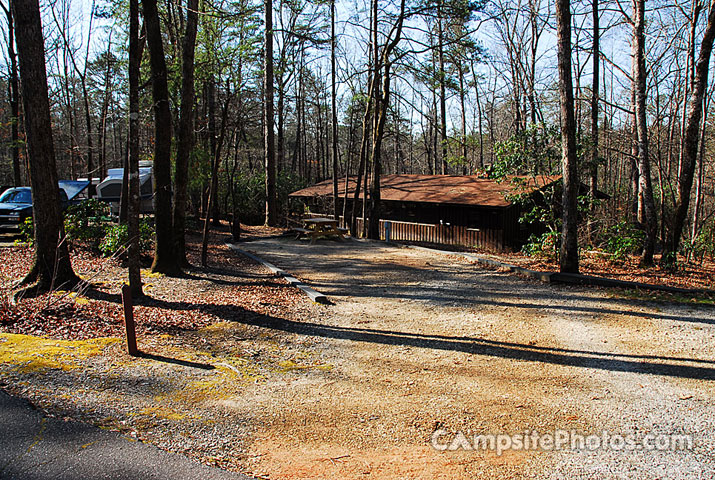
x=438 y=234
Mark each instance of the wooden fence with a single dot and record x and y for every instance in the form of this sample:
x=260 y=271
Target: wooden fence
x=440 y=234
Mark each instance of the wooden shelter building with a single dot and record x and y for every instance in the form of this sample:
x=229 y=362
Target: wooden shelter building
x=469 y=211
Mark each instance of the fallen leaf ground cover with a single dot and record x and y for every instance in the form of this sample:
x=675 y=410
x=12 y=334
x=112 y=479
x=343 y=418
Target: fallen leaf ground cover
x=694 y=274
x=688 y=275
x=95 y=310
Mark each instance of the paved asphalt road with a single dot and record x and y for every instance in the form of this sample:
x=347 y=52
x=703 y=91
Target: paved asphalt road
x=36 y=447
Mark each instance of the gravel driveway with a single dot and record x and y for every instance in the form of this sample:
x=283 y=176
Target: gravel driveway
x=425 y=345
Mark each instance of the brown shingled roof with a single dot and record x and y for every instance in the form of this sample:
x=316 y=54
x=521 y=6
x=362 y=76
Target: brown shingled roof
x=447 y=189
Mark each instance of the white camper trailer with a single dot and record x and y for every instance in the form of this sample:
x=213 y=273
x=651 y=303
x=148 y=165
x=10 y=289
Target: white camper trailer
x=110 y=189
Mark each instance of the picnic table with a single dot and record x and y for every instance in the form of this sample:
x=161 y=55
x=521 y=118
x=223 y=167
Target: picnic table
x=315 y=228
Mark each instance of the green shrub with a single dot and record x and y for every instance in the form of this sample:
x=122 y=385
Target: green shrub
x=27 y=232
x=623 y=239
x=250 y=195
x=87 y=221
x=700 y=247
x=544 y=245
x=116 y=239
x=534 y=151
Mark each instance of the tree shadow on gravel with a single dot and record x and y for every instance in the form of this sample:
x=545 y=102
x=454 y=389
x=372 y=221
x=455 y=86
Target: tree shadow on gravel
x=175 y=361
x=443 y=295
x=361 y=274
x=647 y=364
x=207 y=273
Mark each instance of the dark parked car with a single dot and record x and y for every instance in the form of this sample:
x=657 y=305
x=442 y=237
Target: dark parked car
x=16 y=206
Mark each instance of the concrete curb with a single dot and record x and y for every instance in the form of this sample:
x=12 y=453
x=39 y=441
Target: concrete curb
x=571 y=278
x=314 y=295
x=249 y=240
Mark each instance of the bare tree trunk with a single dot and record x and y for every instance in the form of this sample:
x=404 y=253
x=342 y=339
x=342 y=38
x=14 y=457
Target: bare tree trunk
x=593 y=167
x=280 y=140
x=213 y=189
x=321 y=161
x=442 y=92
x=268 y=114
x=464 y=118
x=71 y=127
x=688 y=84
x=124 y=196
x=362 y=166
x=296 y=164
x=334 y=111
x=645 y=187
x=102 y=127
x=132 y=163
x=568 y=256
x=690 y=144
x=304 y=136
x=51 y=267
x=87 y=114
x=533 y=54
x=382 y=102
x=479 y=113
x=695 y=226
x=212 y=208
x=186 y=131
x=347 y=221
x=635 y=209
x=13 y=96
x=164 y=260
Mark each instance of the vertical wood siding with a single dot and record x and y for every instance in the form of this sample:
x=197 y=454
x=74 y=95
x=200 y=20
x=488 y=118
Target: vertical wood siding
x=442 y=234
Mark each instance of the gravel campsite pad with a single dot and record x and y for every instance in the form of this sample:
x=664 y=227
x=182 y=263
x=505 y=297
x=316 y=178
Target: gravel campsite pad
x=248 y=374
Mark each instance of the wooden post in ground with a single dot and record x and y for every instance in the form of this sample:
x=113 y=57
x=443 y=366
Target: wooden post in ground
x=129 y=321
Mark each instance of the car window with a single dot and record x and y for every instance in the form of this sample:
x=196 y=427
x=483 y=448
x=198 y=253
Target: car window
x=17 y=196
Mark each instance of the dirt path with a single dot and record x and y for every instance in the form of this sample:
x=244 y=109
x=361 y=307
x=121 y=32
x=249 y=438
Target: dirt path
x=422 y=342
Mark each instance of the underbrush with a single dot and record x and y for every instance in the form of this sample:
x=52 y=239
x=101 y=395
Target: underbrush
x=88 y=225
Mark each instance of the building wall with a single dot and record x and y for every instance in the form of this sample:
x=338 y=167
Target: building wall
x=492 y=228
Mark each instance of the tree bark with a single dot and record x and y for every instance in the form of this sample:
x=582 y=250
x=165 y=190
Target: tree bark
x=164 y=260
x=213 y=189
x=124 y=195
x=479 y=113
x=690 y=143
x=132 y=162
x=102 y=126
x=334 y=111
x=211 y=92
x=595 y=85
x=382 y=102
x=51 y=267
x=645 y=187
x=568 y=255
x=463 y=110
x=268 y=114
x=186 y=131
x=634 y=208
x=362 y=161
x=13 y=96
x=361 y=180
x=442 y=92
